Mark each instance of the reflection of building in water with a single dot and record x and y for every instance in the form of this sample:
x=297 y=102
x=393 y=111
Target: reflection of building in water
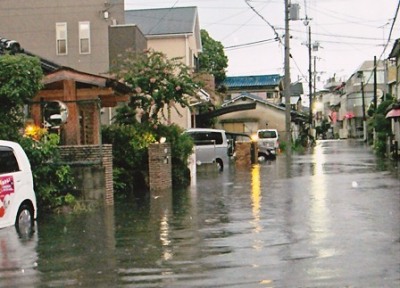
x=319 y=212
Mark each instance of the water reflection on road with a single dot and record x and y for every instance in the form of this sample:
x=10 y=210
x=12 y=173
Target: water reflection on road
x=327 y=218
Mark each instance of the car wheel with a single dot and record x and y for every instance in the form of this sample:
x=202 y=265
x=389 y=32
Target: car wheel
x=262 y=157
x=220 y=165
x=24 y=221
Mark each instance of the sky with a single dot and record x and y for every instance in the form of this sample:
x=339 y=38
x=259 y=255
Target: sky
x=345 y=32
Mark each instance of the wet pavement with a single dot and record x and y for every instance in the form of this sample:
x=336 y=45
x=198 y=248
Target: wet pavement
x=326 y=218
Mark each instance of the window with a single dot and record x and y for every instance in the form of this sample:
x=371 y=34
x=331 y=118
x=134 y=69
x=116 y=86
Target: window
x=8 y=161
x=206 y=138
x=84 y=37
x=61 y=38
x=267 y=134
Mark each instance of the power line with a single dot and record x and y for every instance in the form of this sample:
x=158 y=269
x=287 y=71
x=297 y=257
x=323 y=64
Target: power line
x=162 y=18
x=391 y=28
x=265 y=20
x=250 y=44
x=335 y=15
x=338 y=36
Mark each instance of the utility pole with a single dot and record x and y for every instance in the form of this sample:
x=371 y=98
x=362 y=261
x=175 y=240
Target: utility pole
x=375 y=87
x=315 y=78
x=287 y=79
x=310 y=117
x=363 y=108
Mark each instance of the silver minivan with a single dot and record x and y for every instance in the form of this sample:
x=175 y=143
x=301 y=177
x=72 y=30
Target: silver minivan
x=211 y=146
x=268 y=142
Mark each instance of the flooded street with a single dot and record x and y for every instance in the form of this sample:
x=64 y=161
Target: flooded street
x=327 y=218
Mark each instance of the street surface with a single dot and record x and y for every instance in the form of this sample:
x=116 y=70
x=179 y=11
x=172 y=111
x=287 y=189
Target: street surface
x=327 y=218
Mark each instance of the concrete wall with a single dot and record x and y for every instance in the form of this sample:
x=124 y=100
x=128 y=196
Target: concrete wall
x=92 y=168
x=123 y=38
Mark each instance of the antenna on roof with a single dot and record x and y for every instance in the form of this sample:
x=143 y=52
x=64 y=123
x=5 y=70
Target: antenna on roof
x=11 y=46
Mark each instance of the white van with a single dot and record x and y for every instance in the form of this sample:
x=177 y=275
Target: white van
x=17 y=197
x=268 y=142
x=211 y=146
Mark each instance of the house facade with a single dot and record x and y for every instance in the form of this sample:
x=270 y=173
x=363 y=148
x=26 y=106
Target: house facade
x=394 y=111
x=266 y=91
x=358 y=97
x=263 y=115
x=176 y=33
x=71 y=33
x=87 y=36
x=172 y=31
x=326 y=105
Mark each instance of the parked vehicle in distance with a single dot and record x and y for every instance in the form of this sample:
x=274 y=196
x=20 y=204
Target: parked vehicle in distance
x=17 y=196
x=234 y=137
x=211 y=146
x=268 y=142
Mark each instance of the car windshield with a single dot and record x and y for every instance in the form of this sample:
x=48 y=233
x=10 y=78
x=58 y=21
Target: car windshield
x=206 y=138
x=267 y=134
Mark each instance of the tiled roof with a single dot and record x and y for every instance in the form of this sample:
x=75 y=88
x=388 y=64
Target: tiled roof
x=252 y=81
x=252 y=97
x=163 y=21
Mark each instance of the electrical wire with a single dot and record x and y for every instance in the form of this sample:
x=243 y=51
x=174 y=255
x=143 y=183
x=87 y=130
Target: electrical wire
x=388 y=41
x=162 y=18
x=238 y=46
x=265 y=20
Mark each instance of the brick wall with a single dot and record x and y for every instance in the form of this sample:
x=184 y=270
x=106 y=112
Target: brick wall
x=92 y=168
x=160 y=168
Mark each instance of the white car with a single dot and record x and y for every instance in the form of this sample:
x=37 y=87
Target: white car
x=17 y=196
x=268 y=142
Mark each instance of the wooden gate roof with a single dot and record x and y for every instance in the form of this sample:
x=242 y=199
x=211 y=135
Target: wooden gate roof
x=88 y=86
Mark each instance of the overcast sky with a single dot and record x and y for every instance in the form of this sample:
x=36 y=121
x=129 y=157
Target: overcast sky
x=348 y=32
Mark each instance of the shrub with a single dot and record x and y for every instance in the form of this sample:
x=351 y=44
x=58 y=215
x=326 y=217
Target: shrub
x=181 y=149
x=130 y=143
x=53 y=182
x=130 y=154
x=381 y=125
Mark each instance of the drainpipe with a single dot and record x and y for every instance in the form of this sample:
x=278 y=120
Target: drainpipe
x=187 y=60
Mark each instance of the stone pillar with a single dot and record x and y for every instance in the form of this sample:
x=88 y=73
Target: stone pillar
x=108 y=173
x=243 y=154
x=160 y=168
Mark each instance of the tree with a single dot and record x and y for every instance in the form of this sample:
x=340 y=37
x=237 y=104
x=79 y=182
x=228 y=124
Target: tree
x=158 y=83
x=20 y=80
x=381 y=125
x=213 y=59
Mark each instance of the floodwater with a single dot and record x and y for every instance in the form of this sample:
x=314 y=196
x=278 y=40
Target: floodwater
x=326 y=218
